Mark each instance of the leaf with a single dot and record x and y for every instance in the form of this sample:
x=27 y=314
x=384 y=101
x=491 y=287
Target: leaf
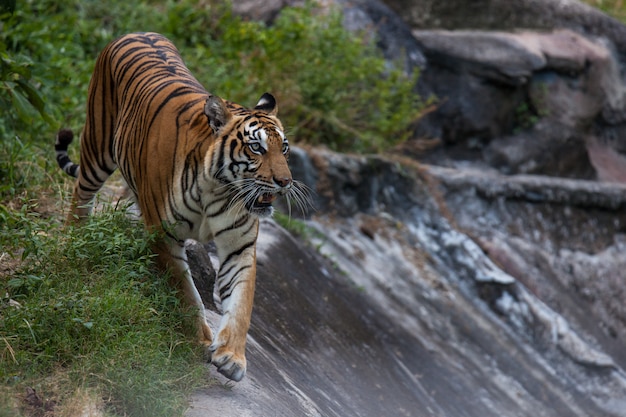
x=35 y=98
x=25 y=110
x=34 y=278
x=32 y=94
x=27 y=101
x=15 y=283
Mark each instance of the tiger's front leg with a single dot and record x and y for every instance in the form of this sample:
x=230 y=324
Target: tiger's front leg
x=235 y=283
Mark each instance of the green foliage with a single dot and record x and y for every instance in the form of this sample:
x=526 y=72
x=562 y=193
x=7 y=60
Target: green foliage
x=333 y=86
x=532 y=109
x=294 y=226
x=615 y=8
x=47 y=53
x=525 y=117
x=89 y=302
x=17 y=86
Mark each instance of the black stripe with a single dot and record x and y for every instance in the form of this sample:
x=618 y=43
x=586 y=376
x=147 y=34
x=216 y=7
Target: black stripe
x=63 y=159
x=228 y=289
x=236 y=225
x=238 y=251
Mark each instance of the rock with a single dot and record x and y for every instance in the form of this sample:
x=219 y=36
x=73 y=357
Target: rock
x=522 y=102
x=261 y=10
x=577 y=81
x=608 y=159
x=549 y=148
x=477 y=96
x=505 y=15
x=498 y=56
x=414 y=282
x=545 y=101
x=449 y=288
x=561 y=239
x=202 y=271
x=550 y=101
x=392 y=35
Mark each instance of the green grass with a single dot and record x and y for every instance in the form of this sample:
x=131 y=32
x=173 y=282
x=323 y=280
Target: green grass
x=615 y=8
x=294 y=226
x=86 y=310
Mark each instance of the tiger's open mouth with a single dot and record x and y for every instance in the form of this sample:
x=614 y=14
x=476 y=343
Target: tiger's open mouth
x=264 y=200
x=262 y=205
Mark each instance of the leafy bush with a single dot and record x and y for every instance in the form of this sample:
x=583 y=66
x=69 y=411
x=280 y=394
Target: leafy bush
x=333 y=86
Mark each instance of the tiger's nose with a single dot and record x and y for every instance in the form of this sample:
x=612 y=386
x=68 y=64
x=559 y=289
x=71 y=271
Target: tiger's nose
x=282 y=181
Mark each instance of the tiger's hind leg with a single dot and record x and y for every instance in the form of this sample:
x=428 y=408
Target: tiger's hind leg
x=173 y=258
x=97 y=159
x=82 y=198
x=90 y=173
x=96 y=166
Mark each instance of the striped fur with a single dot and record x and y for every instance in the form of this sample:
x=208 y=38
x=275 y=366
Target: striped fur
x=199 y=168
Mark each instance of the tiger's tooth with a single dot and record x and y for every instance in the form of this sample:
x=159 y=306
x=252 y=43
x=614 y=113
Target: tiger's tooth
x=260 y=199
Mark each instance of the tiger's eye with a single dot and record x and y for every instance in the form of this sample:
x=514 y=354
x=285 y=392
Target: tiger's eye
x=256 y=147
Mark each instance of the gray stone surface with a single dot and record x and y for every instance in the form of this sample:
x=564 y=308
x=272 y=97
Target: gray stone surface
x=436 y=291
x=444 y=287
x=520 y=102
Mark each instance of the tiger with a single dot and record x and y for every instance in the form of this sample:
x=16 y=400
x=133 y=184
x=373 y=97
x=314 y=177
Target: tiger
x=197 y=166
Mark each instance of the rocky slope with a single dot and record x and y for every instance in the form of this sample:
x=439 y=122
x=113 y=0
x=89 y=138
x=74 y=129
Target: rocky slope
x=477 y=271
x=419 y=290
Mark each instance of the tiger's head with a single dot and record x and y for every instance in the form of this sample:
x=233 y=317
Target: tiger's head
x=253 y=154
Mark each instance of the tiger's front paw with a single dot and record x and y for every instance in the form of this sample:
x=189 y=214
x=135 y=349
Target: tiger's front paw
x=228 y=363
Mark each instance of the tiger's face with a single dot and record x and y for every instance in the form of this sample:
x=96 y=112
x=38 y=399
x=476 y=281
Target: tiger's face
x=267 y=150
x=253 y=162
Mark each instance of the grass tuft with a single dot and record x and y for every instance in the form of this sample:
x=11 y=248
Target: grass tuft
x=88 y=303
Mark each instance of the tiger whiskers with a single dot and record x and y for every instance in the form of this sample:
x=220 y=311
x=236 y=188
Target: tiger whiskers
x=244 y=193
x=301 y=195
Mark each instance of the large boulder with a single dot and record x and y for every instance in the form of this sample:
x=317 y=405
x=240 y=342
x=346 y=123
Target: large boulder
x=466 y=286
x=506 y=15
x=521 y=102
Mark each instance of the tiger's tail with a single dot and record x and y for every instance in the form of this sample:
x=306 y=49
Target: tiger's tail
x=63 y=140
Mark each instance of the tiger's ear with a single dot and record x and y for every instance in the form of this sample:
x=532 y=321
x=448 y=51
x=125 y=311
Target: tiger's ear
x=217 y=113
x=267 y=103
